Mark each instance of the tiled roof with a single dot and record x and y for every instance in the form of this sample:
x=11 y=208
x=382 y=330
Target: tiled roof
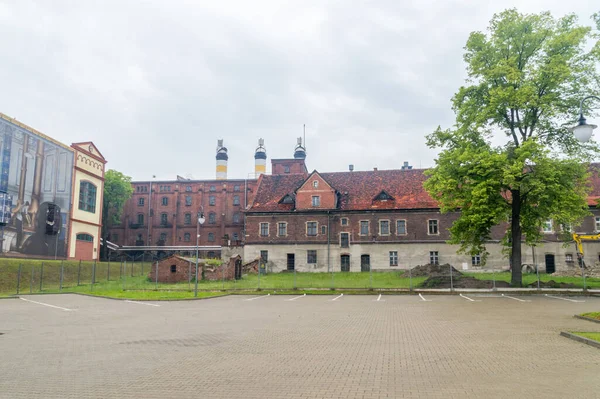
x=594 y=195
x=356 y=189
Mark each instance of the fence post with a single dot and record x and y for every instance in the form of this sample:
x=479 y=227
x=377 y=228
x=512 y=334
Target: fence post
x=583 y=275
x=18 y=279
x=108 y=272
x=537 y=271
x=259 y=265
x=142 y=266
x=79 y=273
x=370 y=277
x=295 y=286
x=451 y=281
x=410 y=288
x=223 y=270
x=132 y=264
x=189 y=275
x=121 y=270
x=41 y=276
x=60 y=279
x=332 y=280
x=494 y=280
x=156 y=276
x=93 y=276
x=124 y=274
x=31 y=280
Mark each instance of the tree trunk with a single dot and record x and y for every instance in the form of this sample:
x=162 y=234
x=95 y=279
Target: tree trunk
x=515 y=257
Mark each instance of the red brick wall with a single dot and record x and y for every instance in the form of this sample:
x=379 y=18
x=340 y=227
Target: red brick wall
x=307 y=191
x=164 y=270
x=297 y=166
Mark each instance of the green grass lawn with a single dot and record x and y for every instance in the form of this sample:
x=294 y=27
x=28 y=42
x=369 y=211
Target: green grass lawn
x=591 y=335
x=592 y=315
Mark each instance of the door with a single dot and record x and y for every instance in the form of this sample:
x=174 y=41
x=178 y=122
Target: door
x=365 y=263
x=550 y=265
x=345 y=261
x=291 y=260
x=238 y=269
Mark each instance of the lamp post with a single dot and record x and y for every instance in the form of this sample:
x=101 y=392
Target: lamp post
x=201 y=221
x=583 y=131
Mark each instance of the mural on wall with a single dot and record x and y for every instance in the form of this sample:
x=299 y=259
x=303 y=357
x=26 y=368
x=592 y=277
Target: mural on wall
x=35 y=184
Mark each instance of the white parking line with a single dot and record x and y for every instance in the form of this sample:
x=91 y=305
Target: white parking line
x=564 y=299
x=379 y=299
x=516 y=299
x=293 y=299
x=143 y=303
x=47 y=304
x=258 y=297
x=423 y=298
x=337 y=297
x=466 y=297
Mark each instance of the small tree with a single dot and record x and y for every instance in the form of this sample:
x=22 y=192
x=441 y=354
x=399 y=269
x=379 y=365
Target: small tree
x=117 y=190
x=526 y=78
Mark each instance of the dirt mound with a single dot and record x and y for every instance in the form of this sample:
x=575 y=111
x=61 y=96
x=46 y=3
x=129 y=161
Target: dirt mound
x=461 y=282
x=575 y=271
x=551 y=284
x=434 y=271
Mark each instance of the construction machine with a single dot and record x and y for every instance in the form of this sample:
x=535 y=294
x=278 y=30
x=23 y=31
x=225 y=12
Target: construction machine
x=578 y=238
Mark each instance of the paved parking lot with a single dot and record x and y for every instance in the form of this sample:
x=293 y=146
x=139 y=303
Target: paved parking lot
x=70 y=346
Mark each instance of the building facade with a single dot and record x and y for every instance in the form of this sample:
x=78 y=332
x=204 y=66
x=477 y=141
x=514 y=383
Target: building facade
x=51 y=194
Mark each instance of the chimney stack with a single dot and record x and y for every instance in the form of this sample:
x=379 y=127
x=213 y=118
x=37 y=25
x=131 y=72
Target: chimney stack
x=221 y=160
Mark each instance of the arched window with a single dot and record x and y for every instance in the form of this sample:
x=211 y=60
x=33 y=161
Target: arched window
x=85 y=237
x=87 y=197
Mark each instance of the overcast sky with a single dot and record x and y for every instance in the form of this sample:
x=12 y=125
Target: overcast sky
x=154 y=84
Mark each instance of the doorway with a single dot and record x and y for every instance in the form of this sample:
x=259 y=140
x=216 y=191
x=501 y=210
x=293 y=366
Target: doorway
x=238 y=269
x=550 y=265
x=365 y=263
x=345 y=261
x=291 y=261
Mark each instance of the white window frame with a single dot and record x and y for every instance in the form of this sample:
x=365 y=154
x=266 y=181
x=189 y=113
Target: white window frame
x=315 y=184
x=342 y=222
x=360 y=233
x=318 y=202
x=405 y=227
x=316 y=228
x=437 y=227
x=279 y=229
x=389 y=227
x=434 y=255
x=597 y=223
x=476 y=260
x=545 y=224
x=260 y=229
x=393 y=256
x=567 y=256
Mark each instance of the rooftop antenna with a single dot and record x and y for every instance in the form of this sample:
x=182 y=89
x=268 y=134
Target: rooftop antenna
x=304 y=128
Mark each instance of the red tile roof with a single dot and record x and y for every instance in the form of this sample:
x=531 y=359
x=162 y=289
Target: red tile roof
x=272 y=188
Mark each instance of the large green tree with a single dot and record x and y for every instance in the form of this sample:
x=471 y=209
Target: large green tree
x=510 y=157
x=117 y=190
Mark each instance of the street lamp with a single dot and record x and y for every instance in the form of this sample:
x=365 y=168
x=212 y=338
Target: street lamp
x=201 y=221
x=583 y=131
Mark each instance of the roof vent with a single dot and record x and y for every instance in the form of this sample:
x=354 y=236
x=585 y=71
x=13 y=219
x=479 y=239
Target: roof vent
x=351 y=167
x=375 y=169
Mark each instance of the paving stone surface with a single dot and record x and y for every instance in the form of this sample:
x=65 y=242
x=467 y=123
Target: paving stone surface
x=312 y=347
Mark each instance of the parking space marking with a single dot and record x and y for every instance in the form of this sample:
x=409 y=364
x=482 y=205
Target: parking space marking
x=47 y=304
x=143 y=303
x=564 y=299
x=516 y=299
x=466 y=297
x=337 y=297
x=423 y=298
x=379 y=299
x=293 y=299
x=257 y=297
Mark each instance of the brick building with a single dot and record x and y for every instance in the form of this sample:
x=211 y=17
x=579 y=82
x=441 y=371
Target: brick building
x=380 y=219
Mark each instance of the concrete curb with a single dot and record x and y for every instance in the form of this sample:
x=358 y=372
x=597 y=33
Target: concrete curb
x=583 y=340
x=587 y=318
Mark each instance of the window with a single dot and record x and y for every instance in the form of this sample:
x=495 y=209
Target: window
x=188 y=189
x=85 y=237
x=165 y=201
x=344 y=240
x=344 y=221
x=211 y=237
x=115 y=237
x=476 y=260
x=212 y=218
x=187 y=237
x=364 y=227
x=164 y=218
x=311 y=256
x=173 y=268
x=236 y=200
x=264 y=256
x=236 y=188
x=236 y=237
x=211 y=254
x=597 y=224
x=311 y=228
x=282 y=229
x=187 y=218
x=384 y=227
x=393 y=258
x=400 y=227
x=566 y=227
x=163 y=237
x=316 y=184
x=547 y=226
x=316 y=200
x=288 y=199
x=286 y=169
x=433 y=226
x=140 y=219
x=236 y=218
x=212 y=200
x=569 y=258
x=213 y=189
x=141 y=201
x=264 y=229
x=87 y=197
x=434 y=258
x=188 y=200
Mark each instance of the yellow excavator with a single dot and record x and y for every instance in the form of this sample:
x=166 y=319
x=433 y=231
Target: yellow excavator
x=578 y=238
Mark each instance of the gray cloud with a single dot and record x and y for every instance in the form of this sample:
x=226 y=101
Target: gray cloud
x=154 y=84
